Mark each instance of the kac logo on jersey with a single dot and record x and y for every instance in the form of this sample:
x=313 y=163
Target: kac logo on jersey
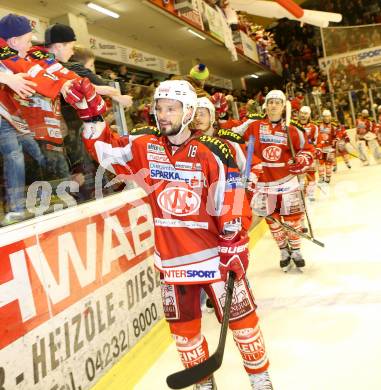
x=272 y=153
x=179 y=201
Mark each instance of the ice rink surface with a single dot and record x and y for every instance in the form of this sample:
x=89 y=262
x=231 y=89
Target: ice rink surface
x=322 y=327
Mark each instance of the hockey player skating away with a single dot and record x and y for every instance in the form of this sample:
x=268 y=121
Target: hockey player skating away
x=326 y=146
x=312 y=131
x=278 y=192
x=341 y=149
x=200 y=216
x=366 y=137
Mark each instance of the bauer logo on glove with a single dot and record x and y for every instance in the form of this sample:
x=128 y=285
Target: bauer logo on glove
x=234 y=255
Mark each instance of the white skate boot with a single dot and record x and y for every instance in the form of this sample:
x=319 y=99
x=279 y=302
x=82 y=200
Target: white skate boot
x=297 y=258
x=261 y=381
x=210 y=384
x=285 y=260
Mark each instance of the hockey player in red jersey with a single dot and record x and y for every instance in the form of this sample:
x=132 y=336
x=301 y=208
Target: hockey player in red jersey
x=278 y=192
x=311 y=130
x=366 y=137
x=204 y=121
x=342 y=140
x=326 y=146
x=200 y=216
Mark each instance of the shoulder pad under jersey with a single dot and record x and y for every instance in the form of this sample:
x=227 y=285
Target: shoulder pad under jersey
x=219 y=148
x=6 y=52
x=230 y=136
x=297 y=125
x=146 y=130
x=39 y=54
x=255 y=116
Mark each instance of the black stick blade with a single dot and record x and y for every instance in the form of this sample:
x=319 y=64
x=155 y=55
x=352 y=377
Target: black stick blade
x=190 y=376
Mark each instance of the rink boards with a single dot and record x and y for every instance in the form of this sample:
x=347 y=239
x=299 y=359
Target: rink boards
x=77 y=292
x=80 y=303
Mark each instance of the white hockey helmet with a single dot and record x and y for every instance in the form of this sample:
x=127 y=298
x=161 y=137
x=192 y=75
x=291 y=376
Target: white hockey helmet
x=276 y=94
x=365 y=112
x=204 y=102
x=180 y=90
x=305 y=110
x=326 y=113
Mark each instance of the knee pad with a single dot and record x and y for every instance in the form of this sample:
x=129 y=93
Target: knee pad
x=183 y=332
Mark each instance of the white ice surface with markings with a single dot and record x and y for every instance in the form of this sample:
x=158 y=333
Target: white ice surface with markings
x=322 y=328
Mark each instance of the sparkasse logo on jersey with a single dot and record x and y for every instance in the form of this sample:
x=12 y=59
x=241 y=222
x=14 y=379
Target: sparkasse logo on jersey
x=272 y=153
x=179 y=201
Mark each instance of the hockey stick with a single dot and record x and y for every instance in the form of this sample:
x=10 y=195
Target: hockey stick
x=300 y=234
x=249 y=158
x=190 y=376
x=289 y=140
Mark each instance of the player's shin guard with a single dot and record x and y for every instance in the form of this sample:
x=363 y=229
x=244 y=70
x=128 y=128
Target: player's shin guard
x=321 y=170
x=328 y=172
x=249 y=340
x=193 y=353
x=293 y=239
x=278 y=232
x=191 y=345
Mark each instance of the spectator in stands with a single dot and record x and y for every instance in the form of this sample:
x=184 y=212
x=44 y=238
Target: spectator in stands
x=122 y=73
x=109 y=74
x=123 y=78
x=82 y=167
x=15 y=136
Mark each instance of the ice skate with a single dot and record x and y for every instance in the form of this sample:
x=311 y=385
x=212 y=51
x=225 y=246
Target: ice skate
x=210 y=384
x=327 y=180
x=297 y=258
x=285 y=260
x=304 y=227
x=261 y=381
x=349 y=166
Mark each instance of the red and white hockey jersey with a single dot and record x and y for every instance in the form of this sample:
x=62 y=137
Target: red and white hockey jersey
x=312 y=131
x=271 y=146
x=342 y=138
x=239 y=149
x=40 y=113
x=195 y=194
x=364 y=126
x=326 y=137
